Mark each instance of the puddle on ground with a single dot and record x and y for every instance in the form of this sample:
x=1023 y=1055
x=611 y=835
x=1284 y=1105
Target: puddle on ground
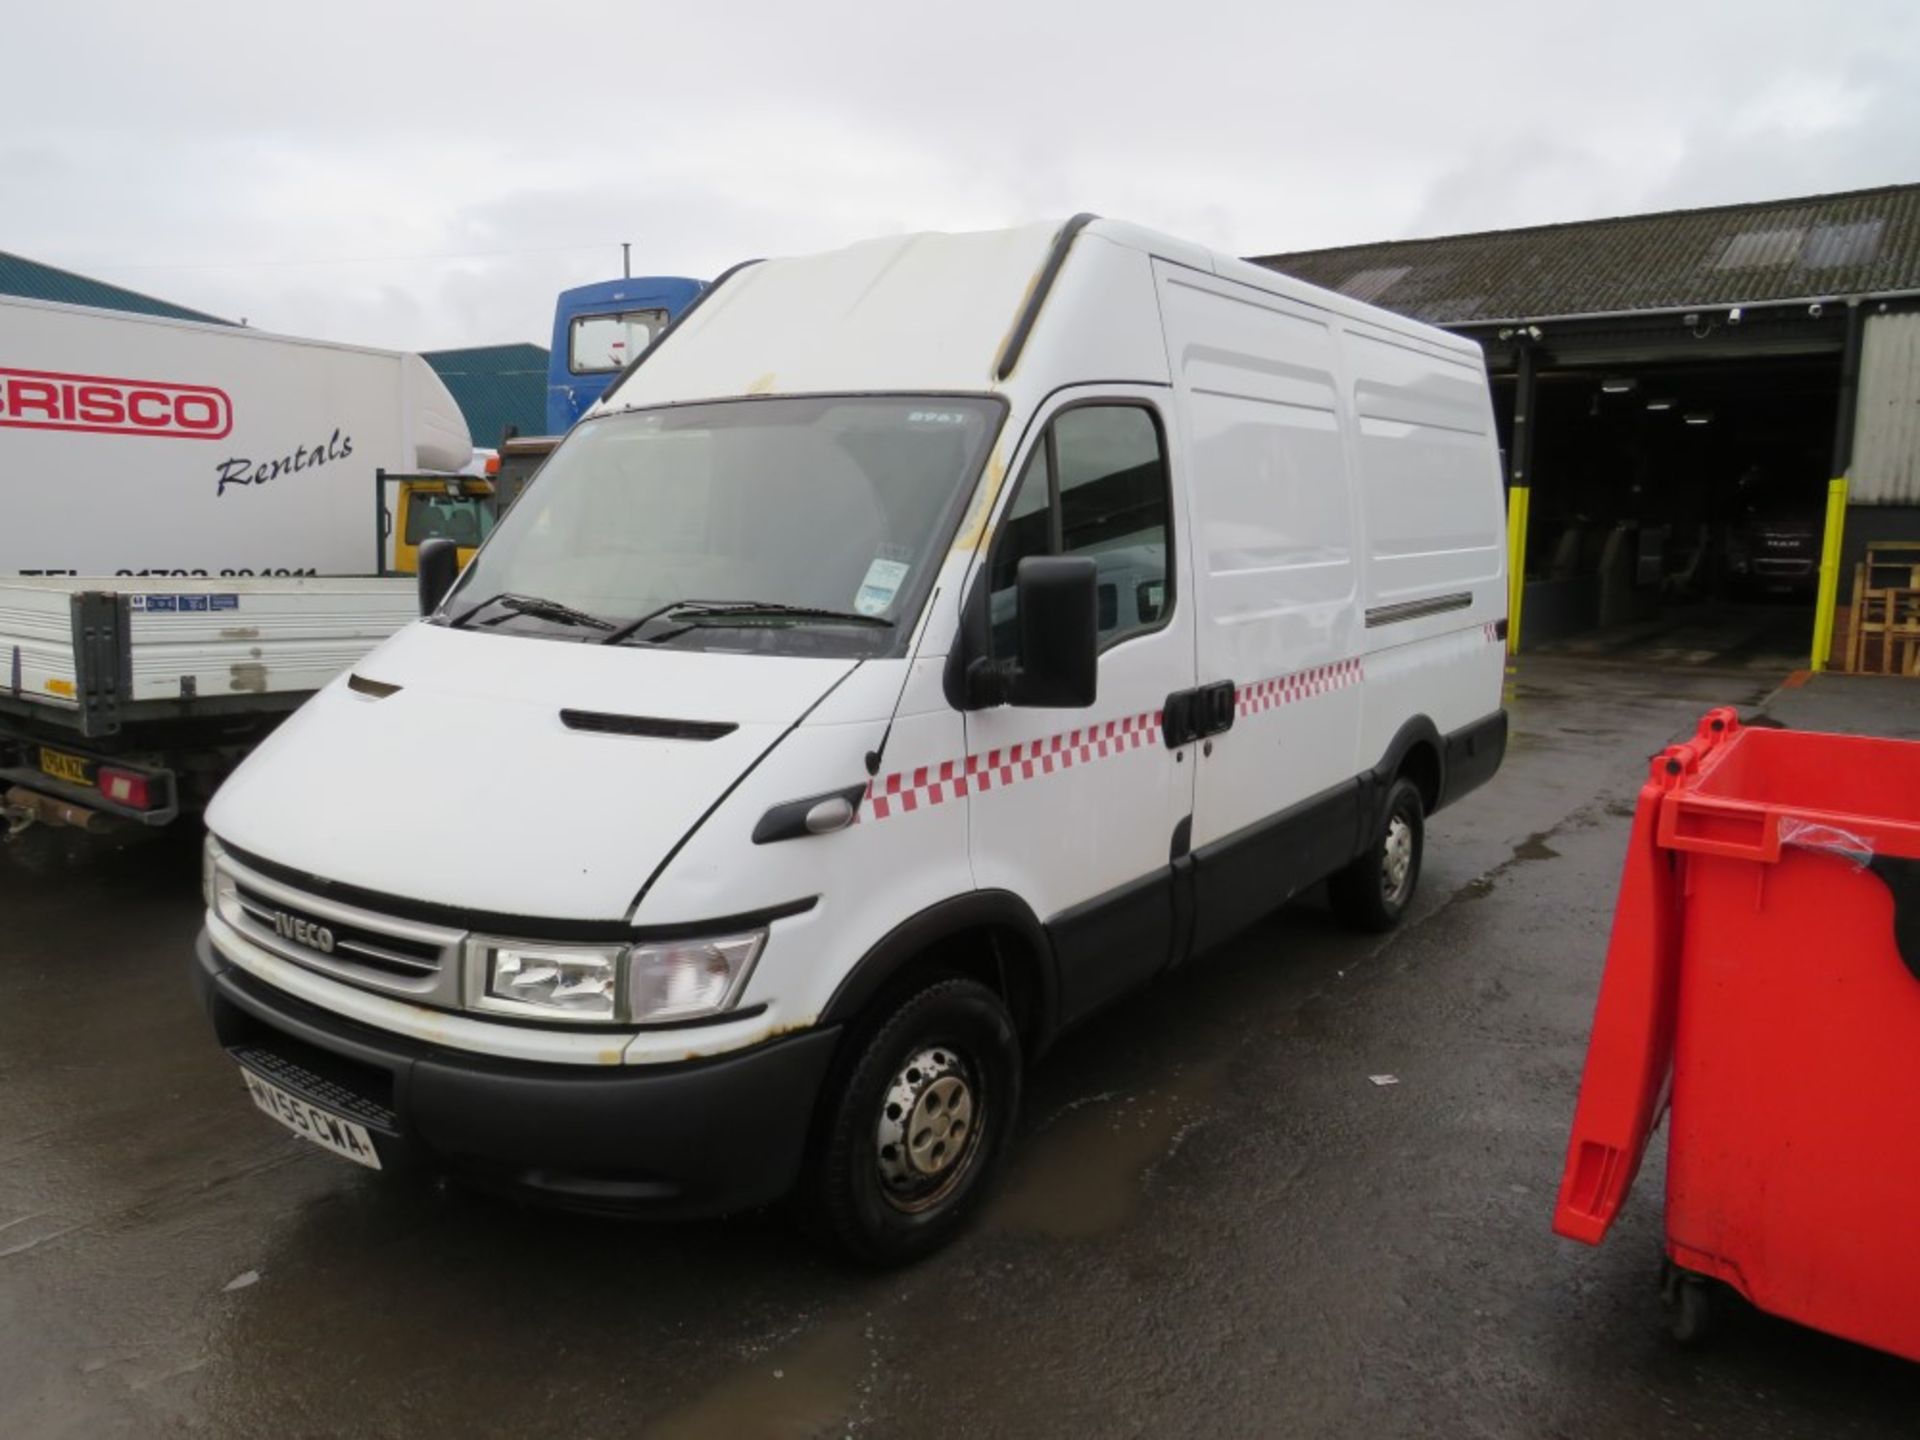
x=798 y=1391
x=1535 y=847
x=1082 y=1174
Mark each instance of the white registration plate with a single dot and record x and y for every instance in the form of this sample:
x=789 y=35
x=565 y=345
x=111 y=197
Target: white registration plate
x=327 y=1130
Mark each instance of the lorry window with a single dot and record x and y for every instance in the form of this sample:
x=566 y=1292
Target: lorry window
x=463 y=519
x=838 y=503
x=1096 y=485
x=600 y=343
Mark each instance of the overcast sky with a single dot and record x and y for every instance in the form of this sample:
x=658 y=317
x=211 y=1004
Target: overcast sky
x=424 y=174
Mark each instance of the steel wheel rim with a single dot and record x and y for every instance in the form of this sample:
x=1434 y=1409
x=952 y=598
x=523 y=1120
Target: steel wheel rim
x=928 y=1130
x=1396 y=860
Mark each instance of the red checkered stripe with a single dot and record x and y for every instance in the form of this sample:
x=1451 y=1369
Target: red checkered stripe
x=1301 y=685
x=907 y=790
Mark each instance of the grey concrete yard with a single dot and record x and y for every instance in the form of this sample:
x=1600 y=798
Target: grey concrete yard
x=1215 y=1224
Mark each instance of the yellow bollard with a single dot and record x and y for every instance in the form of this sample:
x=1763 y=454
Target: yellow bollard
x=1824 y=608
x=1518 y=499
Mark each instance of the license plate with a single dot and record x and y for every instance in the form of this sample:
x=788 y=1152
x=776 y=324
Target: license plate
x=327 y=1130
x=62 y=766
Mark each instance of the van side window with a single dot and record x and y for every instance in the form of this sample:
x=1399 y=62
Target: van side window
x=1096 y=485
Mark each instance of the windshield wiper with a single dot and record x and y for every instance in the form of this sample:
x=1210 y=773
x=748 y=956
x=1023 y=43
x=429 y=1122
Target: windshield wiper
x=729 y=611
x=536 y=606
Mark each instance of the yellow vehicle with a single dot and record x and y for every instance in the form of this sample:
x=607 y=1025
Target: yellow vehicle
x=417 y=508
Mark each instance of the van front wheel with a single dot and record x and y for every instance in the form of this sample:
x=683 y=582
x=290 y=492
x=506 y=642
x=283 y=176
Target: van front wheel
x=917 y=1124
x=1375 y=890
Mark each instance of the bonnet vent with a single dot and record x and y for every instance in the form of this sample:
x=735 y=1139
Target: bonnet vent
x=650 y=726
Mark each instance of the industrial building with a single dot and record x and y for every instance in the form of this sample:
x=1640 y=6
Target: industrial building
x=1676 y=394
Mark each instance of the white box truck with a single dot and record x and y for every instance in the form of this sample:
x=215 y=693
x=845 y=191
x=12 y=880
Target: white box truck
x=924 y=644
x=191 y=542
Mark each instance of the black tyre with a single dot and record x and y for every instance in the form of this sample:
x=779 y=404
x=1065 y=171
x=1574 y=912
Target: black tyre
x=1375 y=890
x=915 y=1124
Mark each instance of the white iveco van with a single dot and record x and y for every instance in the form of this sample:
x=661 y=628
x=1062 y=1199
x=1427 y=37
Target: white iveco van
x=926 y=643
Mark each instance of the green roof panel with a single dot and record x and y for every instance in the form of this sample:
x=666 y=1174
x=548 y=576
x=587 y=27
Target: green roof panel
x=32 y=280
x=496 y=386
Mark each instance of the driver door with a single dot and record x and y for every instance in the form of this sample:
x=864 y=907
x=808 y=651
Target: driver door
x=1081 y=812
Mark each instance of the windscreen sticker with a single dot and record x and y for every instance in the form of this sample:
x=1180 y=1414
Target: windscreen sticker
x=883 y=582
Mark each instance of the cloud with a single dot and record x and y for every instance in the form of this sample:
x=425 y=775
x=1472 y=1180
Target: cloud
x=431 y=174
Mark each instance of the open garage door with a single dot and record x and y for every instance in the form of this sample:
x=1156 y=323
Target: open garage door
x=1676 y=510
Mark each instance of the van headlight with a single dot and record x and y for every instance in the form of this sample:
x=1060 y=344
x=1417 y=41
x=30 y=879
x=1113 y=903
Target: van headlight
x=639 y=984
x=580 y=982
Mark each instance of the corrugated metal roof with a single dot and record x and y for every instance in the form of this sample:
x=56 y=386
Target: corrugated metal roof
x=1886 y=436
x=35 y=281
x=1822 y=245
x=496 y=386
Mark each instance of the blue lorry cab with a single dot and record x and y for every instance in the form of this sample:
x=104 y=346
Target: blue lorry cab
x=598 y=329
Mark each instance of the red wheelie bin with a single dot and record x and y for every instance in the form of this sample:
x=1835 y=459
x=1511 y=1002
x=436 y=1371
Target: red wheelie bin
x=1762 y=988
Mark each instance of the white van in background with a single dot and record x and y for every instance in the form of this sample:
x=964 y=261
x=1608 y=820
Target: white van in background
x=929 y=642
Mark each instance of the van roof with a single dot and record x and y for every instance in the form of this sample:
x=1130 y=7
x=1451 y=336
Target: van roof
x=922 y=312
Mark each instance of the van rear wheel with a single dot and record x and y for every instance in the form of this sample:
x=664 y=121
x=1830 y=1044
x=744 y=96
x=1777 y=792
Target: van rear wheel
x=1374 y=891
x=917 y=1124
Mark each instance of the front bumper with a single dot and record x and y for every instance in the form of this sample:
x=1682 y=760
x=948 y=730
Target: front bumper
x=700 y=1138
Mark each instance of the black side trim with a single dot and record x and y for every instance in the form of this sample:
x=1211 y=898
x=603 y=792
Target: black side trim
x=1182 y=838
x=601 y=723
x=1113 y=943
x=1473 y=754
x=1037 y=297
x=1242 y=876
x=674 y=324
x=913 y=936
x=1418 y=609
x=1902 y=877
x=1374 y=784
x=495 y=923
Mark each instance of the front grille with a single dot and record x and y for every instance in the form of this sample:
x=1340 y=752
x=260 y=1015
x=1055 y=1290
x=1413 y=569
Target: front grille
x=393 y=954
x=407 y=958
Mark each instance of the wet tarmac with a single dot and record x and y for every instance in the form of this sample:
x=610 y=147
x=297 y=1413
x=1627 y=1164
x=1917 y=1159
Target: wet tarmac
x=1216 y=1224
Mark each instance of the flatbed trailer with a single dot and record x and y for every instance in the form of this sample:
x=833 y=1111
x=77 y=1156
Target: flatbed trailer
x=126 y=700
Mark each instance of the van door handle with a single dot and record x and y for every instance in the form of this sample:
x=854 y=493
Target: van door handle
x=1176 y=719
x=1218 y=700
x=1194 y=714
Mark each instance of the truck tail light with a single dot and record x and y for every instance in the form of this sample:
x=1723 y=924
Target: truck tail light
x=124 y=787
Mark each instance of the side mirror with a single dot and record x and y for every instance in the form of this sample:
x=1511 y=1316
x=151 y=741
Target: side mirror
x=438 y=567
x=1059 y=665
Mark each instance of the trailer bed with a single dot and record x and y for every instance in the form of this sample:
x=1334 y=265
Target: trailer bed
x=96 y=654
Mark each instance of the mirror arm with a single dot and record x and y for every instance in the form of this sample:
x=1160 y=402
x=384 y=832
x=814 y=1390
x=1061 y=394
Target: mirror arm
x=988 y=684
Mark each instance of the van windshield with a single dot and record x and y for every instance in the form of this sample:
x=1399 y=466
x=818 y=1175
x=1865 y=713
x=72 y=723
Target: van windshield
x=824 y=512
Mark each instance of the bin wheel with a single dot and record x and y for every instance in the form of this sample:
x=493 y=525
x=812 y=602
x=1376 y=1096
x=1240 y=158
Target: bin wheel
x=1692 y=1311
